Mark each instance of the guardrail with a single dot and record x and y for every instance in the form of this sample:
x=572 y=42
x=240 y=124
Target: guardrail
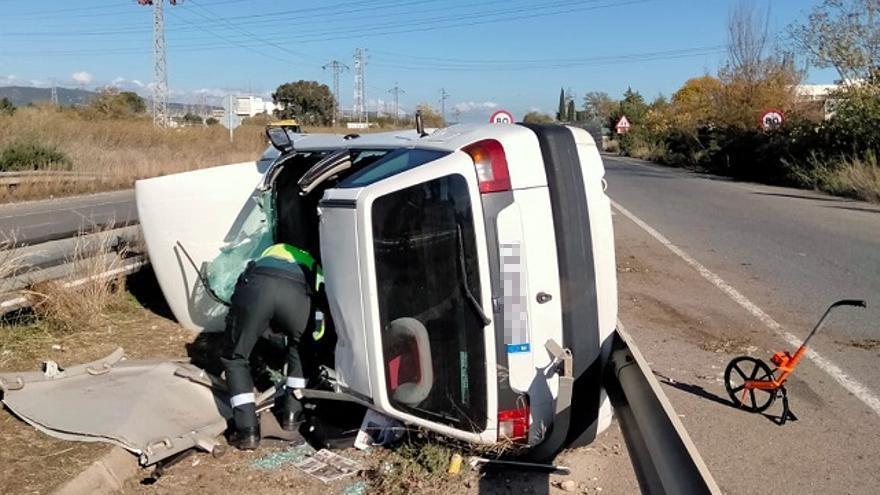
x=12 y=179
x=63 y=259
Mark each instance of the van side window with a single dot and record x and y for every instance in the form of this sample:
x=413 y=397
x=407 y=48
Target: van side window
x=433 y=342
x=393 y=163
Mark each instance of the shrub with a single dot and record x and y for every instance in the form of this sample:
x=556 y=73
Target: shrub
x=6 y=107
x=28 y=155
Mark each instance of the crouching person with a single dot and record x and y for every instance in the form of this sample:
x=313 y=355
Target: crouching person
x=274 y=290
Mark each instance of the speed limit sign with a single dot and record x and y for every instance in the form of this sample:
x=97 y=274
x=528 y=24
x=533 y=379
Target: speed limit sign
x=501 y=117
x=772 y=119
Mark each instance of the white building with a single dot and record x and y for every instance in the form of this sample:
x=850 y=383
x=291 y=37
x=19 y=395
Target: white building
x=248 y=106
x=814 y=92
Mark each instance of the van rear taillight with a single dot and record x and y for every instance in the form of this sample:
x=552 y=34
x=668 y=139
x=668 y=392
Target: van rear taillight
x=491 y=165
x=513 y=424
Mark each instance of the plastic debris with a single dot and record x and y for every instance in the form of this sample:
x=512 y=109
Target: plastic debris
x=377 y=429
x=292 y=455
x=328 y=466
x=454 y=464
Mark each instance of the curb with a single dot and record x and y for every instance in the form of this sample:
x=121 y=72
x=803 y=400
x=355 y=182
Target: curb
x=105 y=476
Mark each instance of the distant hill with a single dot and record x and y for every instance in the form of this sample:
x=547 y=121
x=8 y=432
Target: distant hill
x=23 y=95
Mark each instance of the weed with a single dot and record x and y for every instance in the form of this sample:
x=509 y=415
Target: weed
x=417 y=465
x=30 y=155
x=81 y=300
x=854 y=177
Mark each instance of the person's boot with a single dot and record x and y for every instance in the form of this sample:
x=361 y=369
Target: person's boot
x=246 y=438
x=247 y=427
x=291 y=412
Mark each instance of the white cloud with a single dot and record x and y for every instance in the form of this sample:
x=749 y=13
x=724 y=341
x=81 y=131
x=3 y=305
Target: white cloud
x=82 y=77
x=471 y=106
x=122 y=82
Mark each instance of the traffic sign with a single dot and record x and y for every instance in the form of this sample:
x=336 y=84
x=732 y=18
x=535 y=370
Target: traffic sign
x=231 y=120
x=501 y=117
x=772 y=119
x=623 y=125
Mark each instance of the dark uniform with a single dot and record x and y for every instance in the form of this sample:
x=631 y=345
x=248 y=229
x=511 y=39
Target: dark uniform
x=274 y=290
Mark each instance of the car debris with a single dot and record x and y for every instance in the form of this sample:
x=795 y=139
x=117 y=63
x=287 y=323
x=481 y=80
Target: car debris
x=147 y=407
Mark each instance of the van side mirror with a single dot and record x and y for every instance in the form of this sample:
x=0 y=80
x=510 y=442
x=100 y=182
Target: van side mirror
x=279 y=139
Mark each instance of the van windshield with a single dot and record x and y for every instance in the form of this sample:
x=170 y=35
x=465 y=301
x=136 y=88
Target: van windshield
x=425 y=253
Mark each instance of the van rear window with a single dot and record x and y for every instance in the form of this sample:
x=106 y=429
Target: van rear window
x=391 y=164
x=426 y=259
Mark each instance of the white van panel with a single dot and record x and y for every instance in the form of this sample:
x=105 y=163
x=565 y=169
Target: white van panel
x=602 y=232
x=545 y=320
x=201 y=209
x=339 y=249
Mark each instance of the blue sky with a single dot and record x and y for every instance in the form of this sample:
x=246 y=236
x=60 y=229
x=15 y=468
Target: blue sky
x=512 y=54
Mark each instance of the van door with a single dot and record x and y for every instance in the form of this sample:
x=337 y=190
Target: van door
x=427 y=292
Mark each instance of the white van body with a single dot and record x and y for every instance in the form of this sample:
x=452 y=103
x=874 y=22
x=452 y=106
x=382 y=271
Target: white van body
x=523 y=288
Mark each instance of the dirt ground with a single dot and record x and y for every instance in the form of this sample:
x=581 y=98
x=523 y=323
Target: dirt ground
x=34 y=463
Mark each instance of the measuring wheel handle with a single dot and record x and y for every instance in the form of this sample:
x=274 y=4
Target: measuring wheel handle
x=739 y=378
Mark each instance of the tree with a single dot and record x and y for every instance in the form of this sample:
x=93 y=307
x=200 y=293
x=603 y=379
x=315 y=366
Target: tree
x=6 y=107
x=534 y=117
x=755 y=77
x=633 y=106
x=695 y=104
x=117 y=104
x=211 y=121
x=430 y=116
x=599 y=106
x=310 y=102
x=845 y=35
x=560 y=113
x=571 y=113
x=191 y=118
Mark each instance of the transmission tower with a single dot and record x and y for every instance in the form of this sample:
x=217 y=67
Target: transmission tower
x=337 y=67
x=396 y=91
x=54 y=93
x=359 y=67
x=160 y=76
x=443 y=97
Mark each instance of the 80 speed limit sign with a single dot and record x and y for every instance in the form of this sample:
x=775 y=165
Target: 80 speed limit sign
x=772 y=119
x=501 y=117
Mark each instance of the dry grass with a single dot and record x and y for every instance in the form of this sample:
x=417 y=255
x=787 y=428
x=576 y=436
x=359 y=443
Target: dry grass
x=120 y=151
x=82 y=300
x=853 y=177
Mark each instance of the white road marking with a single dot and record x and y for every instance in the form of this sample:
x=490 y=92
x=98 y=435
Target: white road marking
x=852 y=385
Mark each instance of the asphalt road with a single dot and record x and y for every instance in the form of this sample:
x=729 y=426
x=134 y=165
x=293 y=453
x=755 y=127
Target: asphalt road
x=34 y=222
x=744 y=256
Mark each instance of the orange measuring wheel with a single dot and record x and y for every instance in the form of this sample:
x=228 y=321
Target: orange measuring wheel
x=753 y=386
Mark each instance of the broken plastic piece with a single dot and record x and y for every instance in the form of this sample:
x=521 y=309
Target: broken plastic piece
x=142 y=406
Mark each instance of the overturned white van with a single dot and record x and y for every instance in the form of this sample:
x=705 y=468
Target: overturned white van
x=464 y=268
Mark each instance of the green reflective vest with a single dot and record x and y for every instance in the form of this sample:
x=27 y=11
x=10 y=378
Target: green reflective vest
x=281 y=256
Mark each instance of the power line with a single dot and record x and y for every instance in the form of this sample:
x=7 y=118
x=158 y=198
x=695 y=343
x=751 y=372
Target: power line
x=337 y=67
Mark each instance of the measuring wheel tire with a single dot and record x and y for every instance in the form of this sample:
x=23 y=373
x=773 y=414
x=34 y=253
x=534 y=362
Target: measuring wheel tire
x=748 y=368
